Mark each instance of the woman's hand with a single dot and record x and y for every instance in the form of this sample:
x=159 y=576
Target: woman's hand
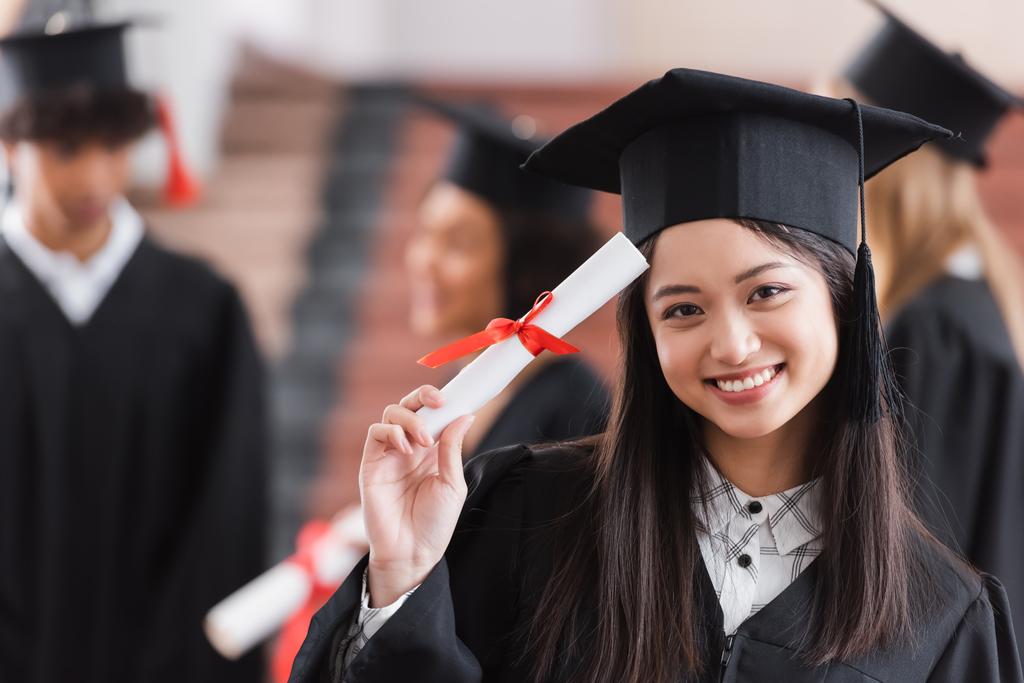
x=412 y=490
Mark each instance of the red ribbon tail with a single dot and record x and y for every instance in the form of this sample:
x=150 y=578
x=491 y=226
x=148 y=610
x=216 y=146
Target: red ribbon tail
x=463 y=347
x=537 y=339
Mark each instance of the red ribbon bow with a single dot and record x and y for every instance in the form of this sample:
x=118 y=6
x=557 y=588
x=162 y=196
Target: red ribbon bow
x=534 y=339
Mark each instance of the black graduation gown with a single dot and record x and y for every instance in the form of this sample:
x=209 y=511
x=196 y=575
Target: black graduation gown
x=564 y=400
x=455 y=628
x=956 y=363
x=132 y=486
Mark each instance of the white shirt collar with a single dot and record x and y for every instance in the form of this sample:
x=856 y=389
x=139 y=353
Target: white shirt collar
x=793 y=515
x=77 y=287
x=965 y=263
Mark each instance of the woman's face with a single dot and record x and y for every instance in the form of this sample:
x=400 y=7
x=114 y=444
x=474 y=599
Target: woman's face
x=746 y=334
x=454 y=262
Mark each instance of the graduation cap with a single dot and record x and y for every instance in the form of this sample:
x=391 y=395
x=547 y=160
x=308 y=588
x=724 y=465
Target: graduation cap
x=486 y=160
x=37 y=62
x=694 y=145
x=901 y=69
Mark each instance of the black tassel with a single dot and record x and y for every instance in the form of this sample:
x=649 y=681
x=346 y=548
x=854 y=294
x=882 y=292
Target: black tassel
x=869 y=376
x=867 y=354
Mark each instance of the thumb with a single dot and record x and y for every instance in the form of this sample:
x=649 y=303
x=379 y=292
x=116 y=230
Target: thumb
x=449 y=452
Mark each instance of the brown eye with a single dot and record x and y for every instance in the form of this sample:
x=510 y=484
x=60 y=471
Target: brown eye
x=766 y=292
x=683 y=311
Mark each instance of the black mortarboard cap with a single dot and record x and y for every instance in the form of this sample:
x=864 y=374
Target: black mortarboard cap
x=486 y=160
x=694 y=145
x=34 y=62
x=901 y=69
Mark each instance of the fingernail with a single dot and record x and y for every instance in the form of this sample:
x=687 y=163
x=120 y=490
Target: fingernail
x=425 y=438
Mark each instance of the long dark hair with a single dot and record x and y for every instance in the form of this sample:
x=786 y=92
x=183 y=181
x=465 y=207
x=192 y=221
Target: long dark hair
x=631 y=556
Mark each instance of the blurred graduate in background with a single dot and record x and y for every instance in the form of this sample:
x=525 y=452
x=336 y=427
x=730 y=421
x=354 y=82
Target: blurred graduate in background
x=952 y=291
x=132 y=440
x=490 y=238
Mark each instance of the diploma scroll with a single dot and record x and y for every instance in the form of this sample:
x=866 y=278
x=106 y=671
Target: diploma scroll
x=589 y=287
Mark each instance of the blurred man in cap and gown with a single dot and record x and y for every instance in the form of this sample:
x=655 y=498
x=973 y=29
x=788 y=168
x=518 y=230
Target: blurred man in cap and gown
x=132 y=440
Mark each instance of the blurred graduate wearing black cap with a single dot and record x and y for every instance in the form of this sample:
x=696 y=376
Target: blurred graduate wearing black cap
x=131 y=417
x=952 y=292
x=744 y=517
x=490 y=238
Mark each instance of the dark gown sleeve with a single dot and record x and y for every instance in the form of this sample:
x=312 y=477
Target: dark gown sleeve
x=955 y=364
x=983 y=647
x=453 y=628
x=221 y=543
x=566 y=400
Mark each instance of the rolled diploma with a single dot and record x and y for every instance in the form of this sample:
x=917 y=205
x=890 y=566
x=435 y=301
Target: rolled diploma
x=255 y=611
x=589 y=287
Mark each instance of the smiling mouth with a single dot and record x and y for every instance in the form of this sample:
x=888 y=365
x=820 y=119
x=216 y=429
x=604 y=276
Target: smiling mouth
x=746 y=383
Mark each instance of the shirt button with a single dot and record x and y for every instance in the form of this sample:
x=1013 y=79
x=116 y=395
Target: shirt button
x=754 y=507
x=743 y=560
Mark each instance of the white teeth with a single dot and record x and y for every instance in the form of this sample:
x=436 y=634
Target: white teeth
x=746 y=383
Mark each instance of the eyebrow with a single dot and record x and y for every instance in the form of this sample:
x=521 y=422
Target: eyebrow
x=757 y=270
x=672 y=290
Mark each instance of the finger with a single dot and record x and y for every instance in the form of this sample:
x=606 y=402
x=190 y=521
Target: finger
x=449 y=452
x=426 y=395
x=381 y=437
x=412 y=424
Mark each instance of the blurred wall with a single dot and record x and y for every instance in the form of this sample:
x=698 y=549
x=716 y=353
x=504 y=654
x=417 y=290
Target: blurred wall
x=191 y=52
x=550 y=40
x=798 y=40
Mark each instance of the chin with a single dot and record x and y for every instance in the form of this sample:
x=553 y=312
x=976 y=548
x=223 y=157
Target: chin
x=749 y=430
x=748 y=426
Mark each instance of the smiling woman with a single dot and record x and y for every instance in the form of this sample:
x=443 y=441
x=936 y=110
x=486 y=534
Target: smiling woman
x=745 y=515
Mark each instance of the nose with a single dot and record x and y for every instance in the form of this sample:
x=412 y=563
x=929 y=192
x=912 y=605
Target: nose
x=99 y=172
x=419 y=257
x=734 y=340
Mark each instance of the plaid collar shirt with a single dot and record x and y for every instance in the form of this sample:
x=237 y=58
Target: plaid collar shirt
x=754 y=548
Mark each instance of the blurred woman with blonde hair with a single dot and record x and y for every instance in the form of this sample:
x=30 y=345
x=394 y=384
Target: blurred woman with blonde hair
x=951 y=290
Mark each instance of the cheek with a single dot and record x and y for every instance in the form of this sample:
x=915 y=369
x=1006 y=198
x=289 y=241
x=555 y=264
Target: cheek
x=679 y=355
x=808 y=337
x=121 y=170
x=467 y=272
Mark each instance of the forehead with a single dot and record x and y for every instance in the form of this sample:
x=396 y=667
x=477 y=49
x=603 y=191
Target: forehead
x=710 y=251
x=446 y=203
